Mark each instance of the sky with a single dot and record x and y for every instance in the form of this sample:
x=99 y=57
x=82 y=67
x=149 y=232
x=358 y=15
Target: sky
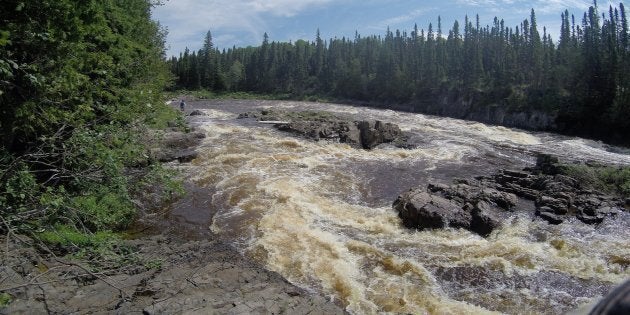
x=242 y=23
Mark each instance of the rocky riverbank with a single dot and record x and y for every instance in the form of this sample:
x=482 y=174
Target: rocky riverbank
x=168 y=275
x=167 y=266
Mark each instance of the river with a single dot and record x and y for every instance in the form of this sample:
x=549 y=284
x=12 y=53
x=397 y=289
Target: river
x=320 y=214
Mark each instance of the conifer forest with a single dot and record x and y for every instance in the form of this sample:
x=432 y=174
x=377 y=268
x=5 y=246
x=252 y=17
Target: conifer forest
x=582 y=76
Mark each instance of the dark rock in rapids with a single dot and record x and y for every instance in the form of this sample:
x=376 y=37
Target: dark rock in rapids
x=376 y=132
x=459 y=206
x=197 y=112
x=323 y=125
x=477 y=204
x=177 y=146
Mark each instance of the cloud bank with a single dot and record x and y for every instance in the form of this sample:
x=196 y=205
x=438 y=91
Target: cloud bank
x=188 y=20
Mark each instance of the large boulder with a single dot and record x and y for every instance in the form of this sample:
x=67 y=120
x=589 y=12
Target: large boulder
x=376 y=132
x=422 y=209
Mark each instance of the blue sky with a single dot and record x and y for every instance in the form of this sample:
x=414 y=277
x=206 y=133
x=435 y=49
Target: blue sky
x=243 y=22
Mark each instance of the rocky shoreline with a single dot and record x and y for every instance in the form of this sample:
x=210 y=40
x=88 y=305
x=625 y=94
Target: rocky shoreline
x=169 y=267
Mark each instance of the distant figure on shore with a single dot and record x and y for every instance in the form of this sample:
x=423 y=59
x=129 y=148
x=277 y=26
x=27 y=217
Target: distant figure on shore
x=182 y=105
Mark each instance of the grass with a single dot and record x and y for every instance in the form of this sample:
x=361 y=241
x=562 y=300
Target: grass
x=5 y=299
x=165 y=115
x=610 y=179
x=65 y=235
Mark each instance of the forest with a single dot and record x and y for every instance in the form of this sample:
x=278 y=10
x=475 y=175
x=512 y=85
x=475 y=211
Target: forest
x=79 y=83
x=580 y=78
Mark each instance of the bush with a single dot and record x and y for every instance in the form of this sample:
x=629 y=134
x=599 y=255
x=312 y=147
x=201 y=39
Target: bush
x=104 y=210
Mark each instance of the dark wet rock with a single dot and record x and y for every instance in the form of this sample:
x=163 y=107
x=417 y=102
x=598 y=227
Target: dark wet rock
x=483 y=220
x=549 y=215
x=557 y=197
x=547 y=164
x=363 y=134
x=186 y=156
x=376 y=132
x=247 y=115
x=503 y=200
x=176 y=146
x=326 y=126
x=442 y=206
x=557 y=206
x=516 y=174
x=421 y=210
x=197 y=112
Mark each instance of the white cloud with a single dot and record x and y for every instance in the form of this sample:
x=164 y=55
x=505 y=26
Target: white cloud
x=543 y=6
x=284 y=7
x=188 y=20
x=397 y=20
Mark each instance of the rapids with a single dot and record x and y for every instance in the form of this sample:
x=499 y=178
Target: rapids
x=319 y=214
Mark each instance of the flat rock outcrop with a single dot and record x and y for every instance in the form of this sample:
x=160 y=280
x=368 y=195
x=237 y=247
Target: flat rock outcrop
x=167 y=276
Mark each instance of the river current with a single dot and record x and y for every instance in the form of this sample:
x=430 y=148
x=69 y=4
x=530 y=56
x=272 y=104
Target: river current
x=320 y=214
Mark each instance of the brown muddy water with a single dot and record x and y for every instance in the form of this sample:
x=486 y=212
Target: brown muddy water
x=319 y=214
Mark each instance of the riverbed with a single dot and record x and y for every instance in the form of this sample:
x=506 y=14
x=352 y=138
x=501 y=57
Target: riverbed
x=320 y=214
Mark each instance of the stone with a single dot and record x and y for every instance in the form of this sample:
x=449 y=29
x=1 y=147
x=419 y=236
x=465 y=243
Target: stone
x=547 y=164
x=548 y=214
x=483 y=221
x=421 y=210
x=197 y=112
x=502 y=199
x=360 y=134
x=558 y=206
x=376 y=132
x=516 y=174
x=590 y=219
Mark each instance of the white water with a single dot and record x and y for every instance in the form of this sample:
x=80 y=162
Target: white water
x=320 y=214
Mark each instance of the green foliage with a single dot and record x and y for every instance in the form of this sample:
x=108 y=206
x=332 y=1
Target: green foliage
x=154 y=264
x=102 y=210
x=161 y=181
x=5 y=299
x=100 y=250
x=604 y=178
x=19 y=188
x=79 y=81
x=69 y=236
x=163 y=115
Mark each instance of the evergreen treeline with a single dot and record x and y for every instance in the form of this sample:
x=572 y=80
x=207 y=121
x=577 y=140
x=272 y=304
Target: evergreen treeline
x=78 y=80
x=583 y=76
